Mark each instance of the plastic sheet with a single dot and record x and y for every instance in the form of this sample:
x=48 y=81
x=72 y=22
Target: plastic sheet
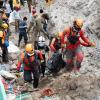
x=12 y=48
x=3 y=95
x=25 y=96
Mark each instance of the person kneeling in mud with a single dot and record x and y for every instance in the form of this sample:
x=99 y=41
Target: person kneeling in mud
x=30 y=59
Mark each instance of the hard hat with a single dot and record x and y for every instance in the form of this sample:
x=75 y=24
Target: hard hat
x=29 y=48
x=79 y=22
x=1 y=34
x=41 y=41
x=41 y=38
x=5 y=26
x=60 y=34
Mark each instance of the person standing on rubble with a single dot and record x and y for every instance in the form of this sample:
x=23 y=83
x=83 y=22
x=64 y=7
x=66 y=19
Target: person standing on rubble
x=3 y=46
x=30 y=60
x=74 y=38
x=8 y=8
x=32 y=24
x=47 y=19
x=17 y=18
x=30 y=4
x=22 y=31
x=40 y=21
x=37 y=23
x=41 y=46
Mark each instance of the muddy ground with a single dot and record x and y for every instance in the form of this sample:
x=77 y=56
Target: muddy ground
x=85 y=86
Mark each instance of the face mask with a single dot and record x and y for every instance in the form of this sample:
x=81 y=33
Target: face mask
x=30 y=54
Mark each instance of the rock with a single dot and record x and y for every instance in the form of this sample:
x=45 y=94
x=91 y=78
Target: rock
x=13 y=56
x=20 y=81
x=5 y=67
x=36 y=96
x=11 y=96
x=13 y=67
x=77 y=98
x=68 y=97
x=7 y=75
x=55 y=16
x=12 y=48
x=63 y=13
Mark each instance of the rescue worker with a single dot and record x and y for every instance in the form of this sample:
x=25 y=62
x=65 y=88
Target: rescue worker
x=5 y=29
x=56 y=42
x=73 y=37
x=30 y=60
x=3 y=47
x=22 y=31
x=41 y=46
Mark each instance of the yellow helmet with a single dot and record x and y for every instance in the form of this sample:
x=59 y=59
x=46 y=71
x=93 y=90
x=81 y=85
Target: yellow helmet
x=79 y=22
x=1 y=34
x=5 y=26
x=29 y=48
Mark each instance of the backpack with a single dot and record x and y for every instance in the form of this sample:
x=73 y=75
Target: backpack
x=73 y=39
x=55 y=63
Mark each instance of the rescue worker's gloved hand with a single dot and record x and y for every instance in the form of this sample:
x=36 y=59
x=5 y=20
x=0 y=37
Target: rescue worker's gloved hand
x=92 y=44
x=63 y=45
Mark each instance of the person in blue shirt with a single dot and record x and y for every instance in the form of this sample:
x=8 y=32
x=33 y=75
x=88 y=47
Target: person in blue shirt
x=22 y=31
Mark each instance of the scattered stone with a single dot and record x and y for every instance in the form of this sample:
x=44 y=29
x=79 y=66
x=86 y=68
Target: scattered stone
x=7 y=75
x=68 y=97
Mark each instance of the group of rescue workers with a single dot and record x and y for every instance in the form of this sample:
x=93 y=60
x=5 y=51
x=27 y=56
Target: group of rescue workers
x=33 y=58
x=4 y=36
x=70 y=41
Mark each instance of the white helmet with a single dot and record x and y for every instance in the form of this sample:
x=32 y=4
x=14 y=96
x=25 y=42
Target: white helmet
x=41 y=41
